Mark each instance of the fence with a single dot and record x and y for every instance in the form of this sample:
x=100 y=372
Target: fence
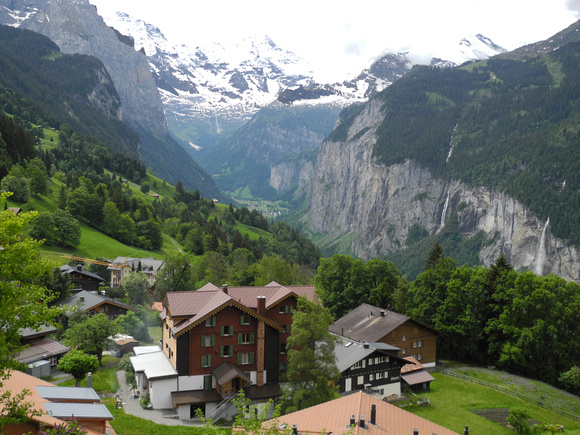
x=504 y=390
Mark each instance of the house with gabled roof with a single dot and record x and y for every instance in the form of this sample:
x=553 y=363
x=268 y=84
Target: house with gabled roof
x=224 y=340
x=41 y=353
x=95 y=303
x=82 y=279
x=57 y=405
x=372 y=367
x=370 y=324
x=416 y=376
x=122 y=267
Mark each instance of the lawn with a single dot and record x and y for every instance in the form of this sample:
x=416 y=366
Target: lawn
x=125 y=424
x=451 y=402
x=104 y=380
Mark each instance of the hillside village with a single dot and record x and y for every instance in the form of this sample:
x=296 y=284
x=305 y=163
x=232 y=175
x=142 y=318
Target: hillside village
x=428 y=285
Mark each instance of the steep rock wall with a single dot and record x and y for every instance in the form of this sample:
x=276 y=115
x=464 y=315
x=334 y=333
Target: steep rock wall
x=376 y=205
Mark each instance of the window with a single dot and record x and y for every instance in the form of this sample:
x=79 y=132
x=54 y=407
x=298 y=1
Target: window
x=207 y=340
x=282 y=367
x=282 y=348
x=380 y=375
x=245 y=319
x=207 y=381
x=245 y=358
x=403 y=351
x=205 y=361
x=418 y=343
x=371 y=377
x=380 y=359
x=226 y=351
x=356 y=365
x=287 y=328
x=360 y=380
x=418 y=356
x=246 y=338
x=227 y=331
x=404 y=338
x=284 y=309
x=210 y=321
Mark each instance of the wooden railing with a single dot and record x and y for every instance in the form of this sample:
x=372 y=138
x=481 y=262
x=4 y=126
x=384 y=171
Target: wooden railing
x=513 y=393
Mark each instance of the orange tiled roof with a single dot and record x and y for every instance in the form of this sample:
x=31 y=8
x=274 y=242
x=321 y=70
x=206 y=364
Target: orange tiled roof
x=334 y=417
x=19 y=381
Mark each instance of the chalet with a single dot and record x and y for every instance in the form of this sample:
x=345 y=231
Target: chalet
x=357 y=414
x=42 y=353
x=124 y=266
x=58 y=404
x=415 y=376
x=82 y=279
x=218 y=341
x=372 y=367
x=370 y=324
x=95 y=303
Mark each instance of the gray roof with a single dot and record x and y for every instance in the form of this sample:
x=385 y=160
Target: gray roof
x=417 y=377
x=70 y=269
x=27 y=333
x=68 y=394
x=365 y=323
x=148 y=264
x=86 y=300
x=226 y=371
x=349 y=352
x=79 y=410
x=42 y=349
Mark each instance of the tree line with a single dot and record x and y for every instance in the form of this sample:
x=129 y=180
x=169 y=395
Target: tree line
x=494 y=316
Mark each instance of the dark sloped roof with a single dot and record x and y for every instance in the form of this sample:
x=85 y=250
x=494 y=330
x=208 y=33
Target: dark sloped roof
x=70 y=269
x=194 y=396
x=349 y=352
x=417 y=377
x=365 y=323
x=42 y=349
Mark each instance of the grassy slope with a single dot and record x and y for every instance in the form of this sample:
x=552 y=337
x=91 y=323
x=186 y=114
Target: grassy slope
x=453 y=399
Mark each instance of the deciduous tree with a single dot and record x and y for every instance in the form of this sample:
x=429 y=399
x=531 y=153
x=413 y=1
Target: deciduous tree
x=92 y=335
x=78 y=364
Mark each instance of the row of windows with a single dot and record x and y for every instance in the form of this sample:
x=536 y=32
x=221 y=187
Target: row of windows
x=244 y=358
x=228 y=330
x=243 y=338
x=376 y=360
x=286 y=309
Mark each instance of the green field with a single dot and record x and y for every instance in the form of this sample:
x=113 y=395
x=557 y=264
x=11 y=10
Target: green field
x=452 y=401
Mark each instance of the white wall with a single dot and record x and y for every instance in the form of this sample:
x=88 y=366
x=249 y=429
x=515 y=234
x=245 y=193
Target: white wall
x=160 y=392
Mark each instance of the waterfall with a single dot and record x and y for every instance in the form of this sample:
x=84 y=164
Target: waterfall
x=541 y=256
x=218 y=129
x=444 y=213
x=451 y=144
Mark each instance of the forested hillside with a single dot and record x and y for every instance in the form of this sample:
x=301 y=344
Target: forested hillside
x=506 y=124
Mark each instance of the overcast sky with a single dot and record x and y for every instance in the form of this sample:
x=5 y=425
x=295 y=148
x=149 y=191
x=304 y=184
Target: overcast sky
x=341 y=38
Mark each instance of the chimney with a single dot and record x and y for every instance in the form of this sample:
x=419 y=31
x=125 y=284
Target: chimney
x=294 y=429
x=365 y=345
x=466 y=430
x=82 y=298
x=225 y=288
x=89 y=380
x=262 y=305
x=373 y=420
x=383 y=313
x=79 y=267
x=415 y=431
x=352 y=421
x=362 y=421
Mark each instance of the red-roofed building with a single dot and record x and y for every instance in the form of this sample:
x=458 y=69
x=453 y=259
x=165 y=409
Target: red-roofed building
x=223 y=340
x=358 y=413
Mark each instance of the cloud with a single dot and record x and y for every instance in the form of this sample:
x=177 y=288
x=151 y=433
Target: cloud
x=574 y=6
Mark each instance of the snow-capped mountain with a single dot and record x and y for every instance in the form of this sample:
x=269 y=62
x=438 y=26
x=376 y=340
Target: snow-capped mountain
x=211 y=90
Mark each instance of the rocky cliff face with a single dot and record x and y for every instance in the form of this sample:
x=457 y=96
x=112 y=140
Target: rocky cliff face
x=75 y=27
x=372 y=207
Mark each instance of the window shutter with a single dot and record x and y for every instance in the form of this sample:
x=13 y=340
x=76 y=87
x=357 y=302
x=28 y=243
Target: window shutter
x=213 y=321
x=221 y=351
x=251 y=338
x=231 y=350
x=251 y=357
x=239 y=358
x=209 y=360
x=207 y=383
x=203 y=360
x=203 y=341
x=242 y=319
x=239 y=338
x=213 y=340
x=231 y=329
x=286 y=309
x=222 y=330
